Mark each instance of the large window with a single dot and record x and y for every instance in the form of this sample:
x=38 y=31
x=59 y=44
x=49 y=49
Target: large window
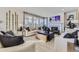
x=28 y=21
x=34 y=21
x=46 y=21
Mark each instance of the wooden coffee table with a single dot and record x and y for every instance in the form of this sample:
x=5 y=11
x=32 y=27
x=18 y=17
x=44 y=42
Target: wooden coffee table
x=45 y=36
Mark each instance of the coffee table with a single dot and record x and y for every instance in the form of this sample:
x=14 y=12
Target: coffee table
x=45 y=36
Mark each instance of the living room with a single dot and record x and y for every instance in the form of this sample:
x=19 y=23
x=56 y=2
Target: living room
x=39 y=29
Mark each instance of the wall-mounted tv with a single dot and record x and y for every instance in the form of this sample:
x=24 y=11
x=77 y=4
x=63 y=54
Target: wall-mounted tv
x=56 y=18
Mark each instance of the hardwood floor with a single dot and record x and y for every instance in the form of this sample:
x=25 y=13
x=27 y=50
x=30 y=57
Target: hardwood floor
x=70 y=47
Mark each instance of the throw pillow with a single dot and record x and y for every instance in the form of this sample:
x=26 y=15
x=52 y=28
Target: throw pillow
x=10 y=32
x=1 y=33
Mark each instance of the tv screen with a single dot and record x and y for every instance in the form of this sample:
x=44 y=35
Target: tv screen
x=56 y=18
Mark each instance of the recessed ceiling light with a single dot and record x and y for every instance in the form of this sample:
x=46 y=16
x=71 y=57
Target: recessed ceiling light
x=63 y=9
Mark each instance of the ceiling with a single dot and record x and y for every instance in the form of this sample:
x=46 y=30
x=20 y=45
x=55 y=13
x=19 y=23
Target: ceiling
x=48 y=11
